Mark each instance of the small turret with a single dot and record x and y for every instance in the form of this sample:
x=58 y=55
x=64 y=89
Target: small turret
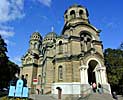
x=35 y=42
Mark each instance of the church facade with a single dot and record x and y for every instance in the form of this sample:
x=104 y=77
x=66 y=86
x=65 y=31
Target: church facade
x=71 y=62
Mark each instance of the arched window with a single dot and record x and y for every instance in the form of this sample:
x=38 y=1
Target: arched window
x=60 y=47
x=80 y=13
x=72 y=14
x=31 y=45
x=60 y=73
x=66 y=16
x=86 y=41
x=35 y=45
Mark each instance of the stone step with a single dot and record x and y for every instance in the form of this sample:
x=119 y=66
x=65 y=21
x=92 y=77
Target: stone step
x=96 y=96
x=120 y=97
x=93 y=96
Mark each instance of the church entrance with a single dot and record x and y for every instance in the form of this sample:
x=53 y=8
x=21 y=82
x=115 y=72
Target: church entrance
x=91 y=71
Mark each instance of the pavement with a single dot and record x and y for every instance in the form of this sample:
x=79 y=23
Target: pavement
x=41 y=97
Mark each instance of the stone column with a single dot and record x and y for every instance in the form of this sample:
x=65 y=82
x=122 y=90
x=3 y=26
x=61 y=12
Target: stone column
x=99 y=75
x=84 y=76
x=104 y=76
x=101 y=78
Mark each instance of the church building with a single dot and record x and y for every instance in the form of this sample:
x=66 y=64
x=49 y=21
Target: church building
x=70 y=62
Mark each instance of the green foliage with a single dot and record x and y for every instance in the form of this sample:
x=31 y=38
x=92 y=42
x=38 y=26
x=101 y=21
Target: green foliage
x=13 y=68
x=3 y=62
x=7 y=68
x=114 y=64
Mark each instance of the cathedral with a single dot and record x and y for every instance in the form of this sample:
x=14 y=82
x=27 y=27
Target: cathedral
x=70 y=62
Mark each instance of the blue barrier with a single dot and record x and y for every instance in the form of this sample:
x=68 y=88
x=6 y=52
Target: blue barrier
x=18 y=90
x=11 y=91
x=25 y=92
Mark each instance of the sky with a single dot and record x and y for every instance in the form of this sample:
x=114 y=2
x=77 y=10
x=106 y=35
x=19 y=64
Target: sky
x=20 y=18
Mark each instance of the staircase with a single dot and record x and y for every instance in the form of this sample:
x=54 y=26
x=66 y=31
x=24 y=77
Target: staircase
x=96 y=96
x=120 y=97
x=93 y=96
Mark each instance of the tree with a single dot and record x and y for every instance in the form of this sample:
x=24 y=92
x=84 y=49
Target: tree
x=114 y=64
x=7 y=68
x=121 y=46
x=13 y=69
x=3 y=62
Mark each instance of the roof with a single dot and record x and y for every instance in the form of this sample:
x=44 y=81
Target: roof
x=50 y=35
x=36 y=36
x=74 y=5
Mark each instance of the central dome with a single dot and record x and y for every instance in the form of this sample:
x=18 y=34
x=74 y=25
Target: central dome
x=50 y=36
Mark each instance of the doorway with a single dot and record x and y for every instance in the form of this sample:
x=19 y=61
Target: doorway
x=91 y=71
x=59 y=93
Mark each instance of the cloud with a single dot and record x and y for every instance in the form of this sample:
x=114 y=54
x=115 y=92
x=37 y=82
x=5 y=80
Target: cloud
x=6 y=31
x=11 y=10
x=8 y=42
x=45 y=2
x=6 y=34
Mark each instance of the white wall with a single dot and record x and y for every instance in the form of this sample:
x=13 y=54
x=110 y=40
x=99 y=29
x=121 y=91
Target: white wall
x=67 y=88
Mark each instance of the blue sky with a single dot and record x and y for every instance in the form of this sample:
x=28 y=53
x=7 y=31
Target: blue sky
x=20 y=18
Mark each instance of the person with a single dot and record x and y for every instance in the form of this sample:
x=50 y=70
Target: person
x=115 y=95
x=99 y=88
x=24 y=80
x=38 y=91
x=94 y=86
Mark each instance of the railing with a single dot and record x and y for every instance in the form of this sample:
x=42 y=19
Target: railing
x=88 y=92
x=105 y=89
x=87 y=95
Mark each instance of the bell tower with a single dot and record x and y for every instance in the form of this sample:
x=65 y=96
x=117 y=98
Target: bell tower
x=35 y=43
x=30 y=64
x=76 y=13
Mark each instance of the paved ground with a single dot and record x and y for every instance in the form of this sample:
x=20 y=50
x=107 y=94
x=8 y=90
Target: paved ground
x=49 y=97
x=41 y=97
x=92 y=97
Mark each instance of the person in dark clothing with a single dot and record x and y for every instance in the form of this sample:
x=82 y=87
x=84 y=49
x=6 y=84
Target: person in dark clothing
x=94 y=86
x=115 y=95
x=99 y=88
x=24 y=81
x=13 y=81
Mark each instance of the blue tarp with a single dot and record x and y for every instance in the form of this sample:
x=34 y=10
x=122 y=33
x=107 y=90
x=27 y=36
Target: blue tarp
x=25 y=92
x=11 y=91
x=19 y=88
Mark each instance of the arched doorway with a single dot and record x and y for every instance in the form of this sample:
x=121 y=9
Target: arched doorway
x=59 y=92
x=91 y=71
